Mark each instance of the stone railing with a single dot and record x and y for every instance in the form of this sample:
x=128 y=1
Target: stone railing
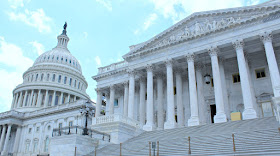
x=112 y=67
x=115 y=118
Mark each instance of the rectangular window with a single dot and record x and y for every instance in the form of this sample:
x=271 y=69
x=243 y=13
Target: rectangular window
x=30 y=130
x=75 y=84
x=175 y=90
x=43 y=99
x=59 y=79
x=65 y=80
x=116 y=102
x=260 y=73
x=53 y=78
x=50 y=100
x=56 y=100
x=37 y=129
x=236 y=78
x=42 y=76
x=48 y=77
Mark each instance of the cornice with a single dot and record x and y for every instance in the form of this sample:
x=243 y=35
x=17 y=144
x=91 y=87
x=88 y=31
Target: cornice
x=141 y=49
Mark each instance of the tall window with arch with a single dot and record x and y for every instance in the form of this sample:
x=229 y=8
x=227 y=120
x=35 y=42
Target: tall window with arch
x=46 y=147
x=53 y=78
x=42 y=77
x=59 y=79
x=36 y=77
x=27 y=145
x=65 y=80
x=48 y=77
x=70 y=82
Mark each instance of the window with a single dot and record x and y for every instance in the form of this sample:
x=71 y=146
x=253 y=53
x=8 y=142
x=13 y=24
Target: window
x=212 y=82
x=46 y=148
x=53 y=78
x=31 y=78
x=27 y=96
x=49 y=127
x=59 y=79
x=79 y=85
x=70 y=123
x=70 y=82
x=36 y=77
x=75 y=84
x=48 y=77
x=30 y=130
x=37 y=129
x=43 y=99
x=236 y=78
x=116 y=102
x=50 y=100
x=59 y=125
x=35 y=145
x=56 y=100
x=65 y=80
x=42 y=76
x=175 y=90
x=27 y=144
x=260 y=73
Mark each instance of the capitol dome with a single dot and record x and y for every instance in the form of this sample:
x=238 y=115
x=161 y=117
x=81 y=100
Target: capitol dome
x=54 y=79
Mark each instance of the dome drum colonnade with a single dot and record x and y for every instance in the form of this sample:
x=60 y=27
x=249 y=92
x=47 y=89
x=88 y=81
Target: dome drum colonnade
x=55 y=78
x=193 y=74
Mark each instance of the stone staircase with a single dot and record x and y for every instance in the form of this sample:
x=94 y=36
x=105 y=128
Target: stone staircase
x=251 y=137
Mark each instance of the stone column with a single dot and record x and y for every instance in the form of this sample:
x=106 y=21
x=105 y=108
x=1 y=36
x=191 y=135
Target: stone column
x=20 y=99
x=39 y=100
x=219 y=100
x=68 y=98
x=200 y=93
x=3 y=136
x=25 y=103
x=249 y=111
x=131 y=94
x=34 y=100
x=17 y=139
x=5 y=149
x=46 y=99
x=98 y=102
x=194 y=119
x=160 y=117
x=29 y=104
x=107 y=97
x=272 y=62
x=150 y=126
x=125 y=99
x=179 y=97
x=142 y=97
x=61 y=98
x=224 y=87
x=112 y=99
x=75 y=98
x=53 y=98
x=170 y=121
x=13 y=102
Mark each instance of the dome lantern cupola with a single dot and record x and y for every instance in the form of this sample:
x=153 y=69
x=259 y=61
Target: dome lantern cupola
x=63 y=39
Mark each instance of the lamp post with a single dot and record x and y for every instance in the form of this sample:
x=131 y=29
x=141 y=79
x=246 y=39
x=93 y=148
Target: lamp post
x=86 y=111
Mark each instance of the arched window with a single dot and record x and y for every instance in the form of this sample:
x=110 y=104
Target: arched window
x=31 y=78
x=27 y=145
x=36 y=77
x=53 y=78
x=48 y=77
x=70 y=82
x=79 y=85
x=42 y=76
x=75 y=83
x=35 y=145
x=59 y=79
x=46 y=147
x=65 y=80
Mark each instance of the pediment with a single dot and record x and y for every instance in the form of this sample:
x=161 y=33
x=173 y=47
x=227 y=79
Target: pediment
x=204 y=23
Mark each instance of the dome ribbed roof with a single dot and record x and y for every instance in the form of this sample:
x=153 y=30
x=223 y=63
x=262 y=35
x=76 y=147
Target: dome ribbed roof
x=60 y=55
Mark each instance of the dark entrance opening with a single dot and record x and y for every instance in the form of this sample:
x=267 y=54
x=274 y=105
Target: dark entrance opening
x=213 y=112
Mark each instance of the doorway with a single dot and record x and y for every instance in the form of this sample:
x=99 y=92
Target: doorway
x=213 y=112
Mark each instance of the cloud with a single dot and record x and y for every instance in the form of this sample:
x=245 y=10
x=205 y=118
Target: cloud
x=38 y=47
x=37 y=19
x=11 y=56
x=107 y=4
x=150 y=20
x=16 y=3
x=97 y=61
x=179 y=9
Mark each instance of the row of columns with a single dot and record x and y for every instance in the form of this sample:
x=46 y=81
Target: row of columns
x=36 y=99
x=4 y=140
x=219 y=89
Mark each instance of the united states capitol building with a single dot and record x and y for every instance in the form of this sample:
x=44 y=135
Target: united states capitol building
x=208 y=85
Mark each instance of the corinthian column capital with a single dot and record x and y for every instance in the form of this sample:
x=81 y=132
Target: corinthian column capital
x=266 y=37
x=213 y=51
x=168 y=62
x=238 y=44
x=131 y=72
x=149 y=67
x=190 y=57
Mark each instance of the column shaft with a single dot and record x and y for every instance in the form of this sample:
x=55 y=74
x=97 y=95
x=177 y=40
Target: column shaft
x=34 y=99
x=170 y=123
x=125 y=100
x=61 y=98
x=68 y=98
x=4 y=128
x=112 y=100
x=46 y=99
x=179 y=97
x=131 y=95
x=5 y=149
x=224 y=87
x=200 y=93
x=17 y=139
x=20 y=99
x=150 y=105
x=160 y=117
x=249 y=111
x=220 y=115
x=39 y=99
x=194 y=120
x=15 y=104
x=29 y=104
x=53 y=98
x=98 y=103
x=25 y=100
x=142 y=110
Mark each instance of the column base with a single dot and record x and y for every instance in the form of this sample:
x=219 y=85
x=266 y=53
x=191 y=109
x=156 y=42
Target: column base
x=170 y=125
x=220 y=117
x=149 y=127
x=193 y=121
x=249 y=114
